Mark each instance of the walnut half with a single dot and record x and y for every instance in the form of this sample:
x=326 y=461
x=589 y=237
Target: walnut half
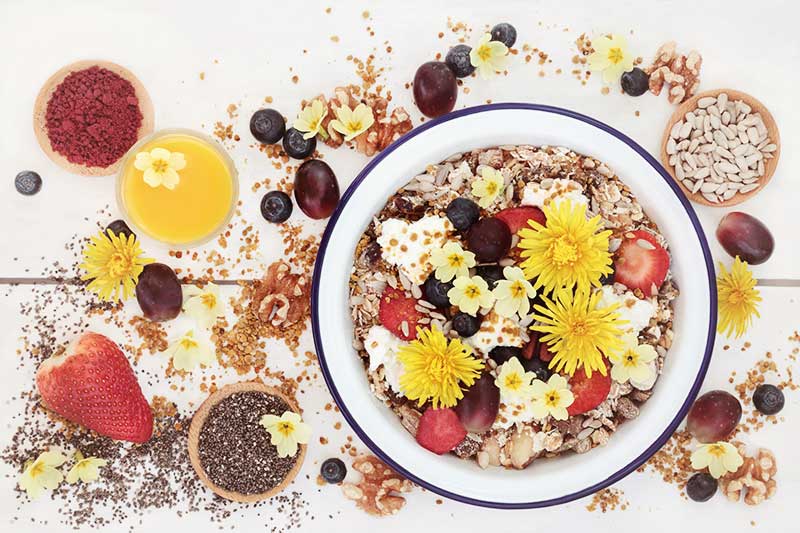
x=754 y=480
x=282 y=298
x=376 y=493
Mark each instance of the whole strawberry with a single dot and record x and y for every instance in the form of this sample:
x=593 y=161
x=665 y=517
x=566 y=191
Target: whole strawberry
x=93 y=385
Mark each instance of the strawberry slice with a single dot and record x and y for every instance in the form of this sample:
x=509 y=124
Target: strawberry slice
x=588 y=392
x=544 y=352
x=397 y=308
x=530 y=350
x=517 y=218
x=641 y=263
x=440 y=430
x=93 y=385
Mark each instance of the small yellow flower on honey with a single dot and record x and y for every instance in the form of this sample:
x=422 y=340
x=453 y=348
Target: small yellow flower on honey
x=578 y=331
x=568 y=251
x=451 y=260
x=488 y=57
x=42 y=474
x=287 y=432
x=513 y=382
x=513 y=293
x=203 y=305
x=435 y=368
x=187 y=352
x=635 y=362
x=737 y=298
x=488 y=186
x=86 y=469
x=610 y=56
x=160 y=167
x=719 y=457
x=470 y=294
x=352 y=122
x=309 y=120
x=551 y=398
x=113 y=262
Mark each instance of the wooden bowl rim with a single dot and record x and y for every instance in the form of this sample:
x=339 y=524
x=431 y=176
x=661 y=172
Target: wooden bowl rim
x=769 y=166
x=40 y=112
x=199 y=419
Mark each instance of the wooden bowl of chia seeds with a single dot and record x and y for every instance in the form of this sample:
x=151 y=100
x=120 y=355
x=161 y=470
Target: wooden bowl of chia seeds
x=232 y=453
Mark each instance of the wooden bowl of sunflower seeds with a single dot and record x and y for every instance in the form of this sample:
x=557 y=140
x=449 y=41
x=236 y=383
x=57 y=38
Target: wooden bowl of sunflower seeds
x=721 y=147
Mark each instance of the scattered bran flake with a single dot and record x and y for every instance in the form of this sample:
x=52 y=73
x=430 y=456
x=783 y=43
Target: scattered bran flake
x=152 y=334
x=673 y=461
x=295 y=78
x=202 y=76
x=335 y=38
x=232 y=111
x=608 y=500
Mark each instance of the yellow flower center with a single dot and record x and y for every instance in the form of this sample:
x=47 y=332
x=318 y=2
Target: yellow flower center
x=188 y=344
x=455 y=260
x=579 y=328
x=631 y=358
x=285 y=428
x=552 y=398
x=472 y=292
x=484 y=53
x=354 y=125
x=564 y=251
x=491 y=188
x=717 y=450
x=513 y=382
x=119 y=264
x=37 y=469
x=209 y=300
x=160 y=166
x=517 y=290
x=615 y=54
x=737 y=297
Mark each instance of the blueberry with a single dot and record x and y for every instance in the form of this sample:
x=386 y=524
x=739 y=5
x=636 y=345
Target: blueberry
x=491 y=274
x=333 y=470
x=28 y=182
x=458 y=61
x=635 y=82
x=501 y=354
x=768 y=399
x=701 y=487
x=296 y=146
x=505 y=33
x=119 y=227
x=463 y=213
x=267 y=126
x=538 y=367
x=466 y=325
x=435 y=291
x=276 y=206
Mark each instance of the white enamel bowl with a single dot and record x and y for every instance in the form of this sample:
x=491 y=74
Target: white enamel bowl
x=546 y=482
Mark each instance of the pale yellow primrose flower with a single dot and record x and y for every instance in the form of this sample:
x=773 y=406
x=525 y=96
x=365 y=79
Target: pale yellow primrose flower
x=513 y=293
x=160 y=167
x=470 y=294
x=610 y=56
x=309 y=120
x=42 y=474
x=551 y=398
x=488 y=56
x=287 y=432
x=718 y=457
x=451 y=260
x=488 y=187
x=513 y=381
x=352 y=122
x=203 y=305
x=85 y=469
x=187 y=352
x=633 y=362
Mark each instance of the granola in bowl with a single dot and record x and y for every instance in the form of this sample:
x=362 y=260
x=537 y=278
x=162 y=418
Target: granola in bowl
x=512 y=303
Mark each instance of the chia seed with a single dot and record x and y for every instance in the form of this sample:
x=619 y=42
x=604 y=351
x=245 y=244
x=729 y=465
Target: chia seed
x=235 y=450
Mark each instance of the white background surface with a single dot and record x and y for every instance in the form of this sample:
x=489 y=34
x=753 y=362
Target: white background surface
x=247 y=49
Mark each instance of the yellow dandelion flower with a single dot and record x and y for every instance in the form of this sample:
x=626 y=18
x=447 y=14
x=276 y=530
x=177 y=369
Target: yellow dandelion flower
x=435 y=368
x=568 y=251
x=113 y=263
x=737 y=298
x=488 y=57
x=309 y=120
x=610 y=56
x=352 y=122
x=579 y=332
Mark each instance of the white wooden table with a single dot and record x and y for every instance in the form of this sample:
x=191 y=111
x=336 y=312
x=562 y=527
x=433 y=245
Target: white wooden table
x=250 y=50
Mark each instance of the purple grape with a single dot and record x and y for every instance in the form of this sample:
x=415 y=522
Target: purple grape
x=746 y=236
x=478 y=409
x=316 y=189
x=159 y=292
x=489 y=239
x=435 y=89
x=714 y=416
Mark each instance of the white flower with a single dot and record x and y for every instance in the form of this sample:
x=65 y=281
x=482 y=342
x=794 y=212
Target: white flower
x=514 y=383
x=85 y=469
x=513 y=293
x=352 y=122
x=488 y=187
x=636 y=362
x=718 y=457
x=203 y=305
x=309 y=120
x=488 y=56
x=551 y=398
x=610 y=56
x=42 y=474
x=287 y=432
x=470 y=294
x=187 y=352
x=451 y=260
x=160 y=167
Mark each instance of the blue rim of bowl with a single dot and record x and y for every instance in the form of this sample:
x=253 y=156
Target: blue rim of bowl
x=665 y=435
